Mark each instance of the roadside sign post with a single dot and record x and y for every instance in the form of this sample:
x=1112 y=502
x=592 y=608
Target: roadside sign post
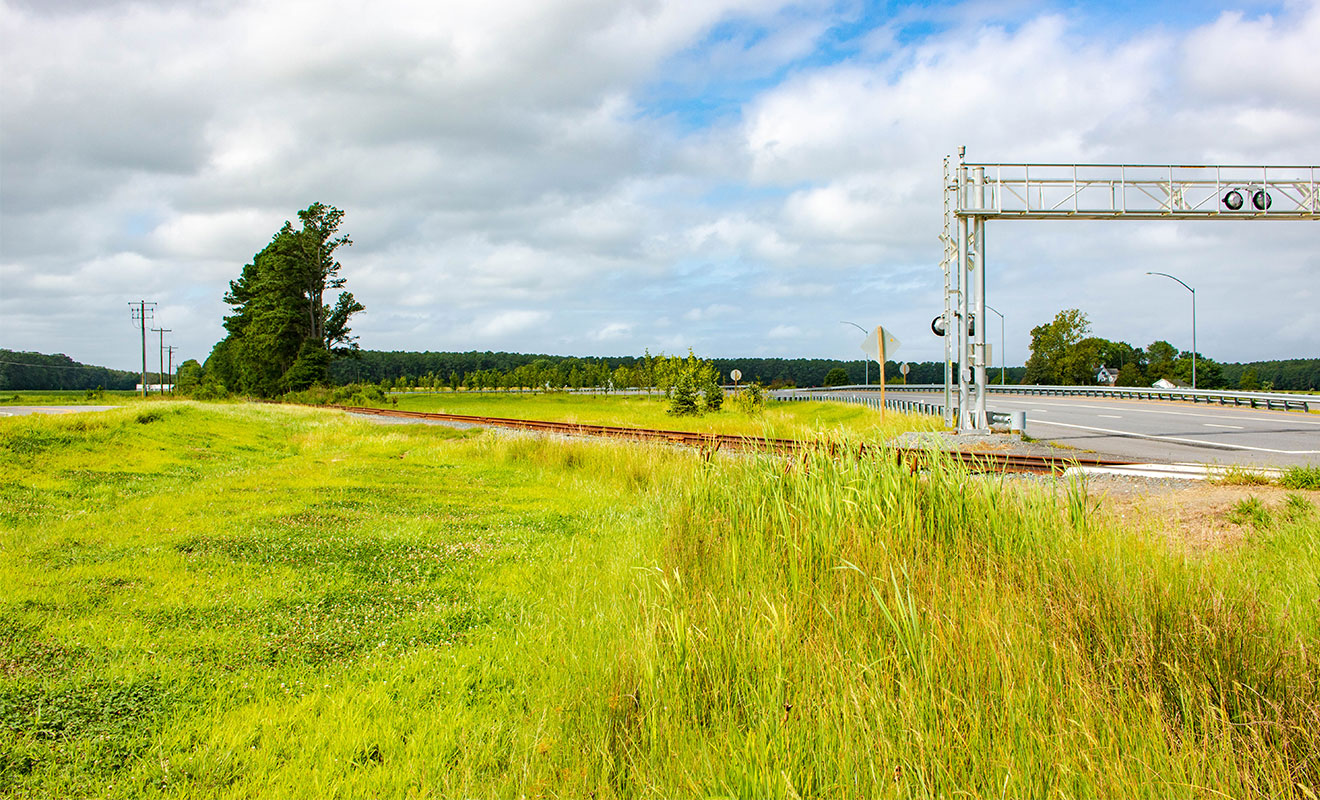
x=737 y=376
x=879 y=345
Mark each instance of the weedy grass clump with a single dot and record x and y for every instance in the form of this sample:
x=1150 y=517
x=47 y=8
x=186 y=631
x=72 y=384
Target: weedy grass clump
x=1236 y=475
x=1301 y=477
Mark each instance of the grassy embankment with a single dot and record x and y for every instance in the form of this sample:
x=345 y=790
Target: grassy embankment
x=232 y=601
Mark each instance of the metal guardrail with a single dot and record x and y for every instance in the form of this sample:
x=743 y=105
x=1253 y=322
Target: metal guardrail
x=1273 y=400
x=998 y=419
x=893 y=403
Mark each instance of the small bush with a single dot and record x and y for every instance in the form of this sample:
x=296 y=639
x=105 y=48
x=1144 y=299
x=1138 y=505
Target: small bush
x=712 y=394
x=211 y=390
x=750 y=399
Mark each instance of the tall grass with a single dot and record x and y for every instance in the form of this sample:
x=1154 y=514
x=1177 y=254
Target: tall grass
x=849 y=628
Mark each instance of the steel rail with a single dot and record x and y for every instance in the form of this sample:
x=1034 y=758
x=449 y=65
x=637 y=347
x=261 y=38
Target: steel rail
x=913 y=456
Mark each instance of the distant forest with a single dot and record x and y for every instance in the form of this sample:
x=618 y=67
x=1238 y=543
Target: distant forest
x=19 y=370
x=375 y=366
x=36 y=371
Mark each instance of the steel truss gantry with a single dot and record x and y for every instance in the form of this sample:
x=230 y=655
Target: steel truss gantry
x=975 y=193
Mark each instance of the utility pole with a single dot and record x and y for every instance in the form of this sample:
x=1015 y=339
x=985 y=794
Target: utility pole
x=161 y=375
x=141 y=313
x=171 y=349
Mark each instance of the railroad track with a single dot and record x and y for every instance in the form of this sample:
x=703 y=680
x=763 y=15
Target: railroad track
x=981 y=461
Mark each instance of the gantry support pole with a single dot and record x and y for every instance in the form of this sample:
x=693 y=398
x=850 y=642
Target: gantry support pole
x=950 y=250
x=981 y=422
x=964 y=409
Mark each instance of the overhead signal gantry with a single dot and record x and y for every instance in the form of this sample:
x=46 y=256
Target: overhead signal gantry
x=976 y=193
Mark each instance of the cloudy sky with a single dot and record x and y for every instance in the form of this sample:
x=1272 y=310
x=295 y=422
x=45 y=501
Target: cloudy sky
x=601 y=176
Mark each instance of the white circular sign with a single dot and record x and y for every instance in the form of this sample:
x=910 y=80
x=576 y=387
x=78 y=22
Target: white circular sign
x=903 y=368
x=736 y=375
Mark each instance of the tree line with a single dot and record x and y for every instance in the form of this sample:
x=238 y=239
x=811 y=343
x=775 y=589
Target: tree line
x=38 y=371
x=1064 y=353
x=488 y=369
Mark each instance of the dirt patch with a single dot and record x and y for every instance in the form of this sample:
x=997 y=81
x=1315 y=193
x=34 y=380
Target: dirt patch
x=1191 y=513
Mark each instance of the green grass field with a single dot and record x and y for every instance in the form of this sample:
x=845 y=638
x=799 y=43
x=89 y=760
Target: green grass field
x=779 y=420
x=26 y=397
x=263 y=601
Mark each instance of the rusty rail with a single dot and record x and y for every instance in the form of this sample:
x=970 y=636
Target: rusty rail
x=979 y=461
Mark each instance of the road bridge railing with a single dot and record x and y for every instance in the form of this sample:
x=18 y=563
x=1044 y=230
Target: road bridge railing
x=1272 y=400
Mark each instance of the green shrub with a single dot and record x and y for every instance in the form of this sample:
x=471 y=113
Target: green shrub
x=750 y=399
x=683 y=396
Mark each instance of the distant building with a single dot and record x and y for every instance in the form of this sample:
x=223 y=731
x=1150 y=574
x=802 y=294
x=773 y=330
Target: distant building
x=156 y=388
x=1169 y=383
x=1106 y=375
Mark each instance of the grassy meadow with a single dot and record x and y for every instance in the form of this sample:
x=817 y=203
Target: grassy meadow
x=264 y=601
x=67 y=397
x=797 y=420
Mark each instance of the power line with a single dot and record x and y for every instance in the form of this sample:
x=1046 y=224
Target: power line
x=63 y=366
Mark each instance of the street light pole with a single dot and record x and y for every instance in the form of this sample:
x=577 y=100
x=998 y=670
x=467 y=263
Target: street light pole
x=1193 y=291
x=867 y=362
x=1001 y=344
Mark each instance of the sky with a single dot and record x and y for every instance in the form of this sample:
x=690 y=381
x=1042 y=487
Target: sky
x=599 y=177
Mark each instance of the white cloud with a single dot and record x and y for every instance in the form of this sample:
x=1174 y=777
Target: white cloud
x=613 y=332
x=508 y=184
x=713 y=311
x=509 y=322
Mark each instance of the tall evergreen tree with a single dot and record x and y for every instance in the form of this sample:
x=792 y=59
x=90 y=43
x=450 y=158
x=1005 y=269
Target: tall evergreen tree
x=282 y=333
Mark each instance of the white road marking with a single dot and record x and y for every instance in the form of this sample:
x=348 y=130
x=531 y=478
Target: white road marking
x=1292 y=418
x=1194 y=472
x=1109 y=416
x=1198 y=442
x=1213 y=425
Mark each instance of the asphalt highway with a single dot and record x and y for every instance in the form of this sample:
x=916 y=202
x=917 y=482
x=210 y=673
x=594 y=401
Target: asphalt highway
x=1165 y=431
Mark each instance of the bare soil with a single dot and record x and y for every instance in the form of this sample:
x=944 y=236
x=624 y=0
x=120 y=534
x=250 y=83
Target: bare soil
x=1191 y=513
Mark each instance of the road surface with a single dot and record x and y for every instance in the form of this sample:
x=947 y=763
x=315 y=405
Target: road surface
x=1146 y=430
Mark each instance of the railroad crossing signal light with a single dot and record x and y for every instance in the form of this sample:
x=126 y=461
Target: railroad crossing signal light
x=1260 y=199
x=940 y=328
